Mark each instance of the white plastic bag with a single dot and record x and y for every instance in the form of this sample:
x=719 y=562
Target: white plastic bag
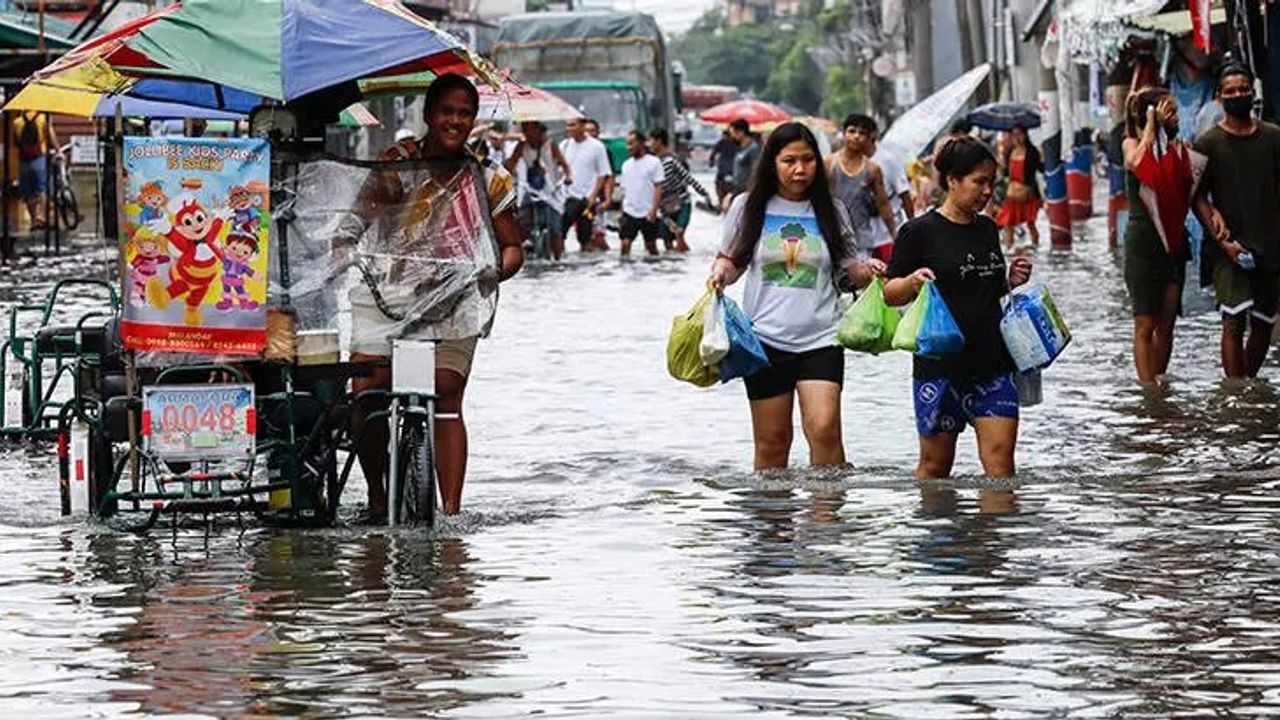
x=1032 y=327
x=715 y=337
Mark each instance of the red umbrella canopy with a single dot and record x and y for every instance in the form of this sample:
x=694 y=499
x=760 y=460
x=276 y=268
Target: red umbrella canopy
x=760 y=115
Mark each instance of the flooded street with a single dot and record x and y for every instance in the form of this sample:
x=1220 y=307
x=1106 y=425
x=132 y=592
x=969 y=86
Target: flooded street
x=616 y=557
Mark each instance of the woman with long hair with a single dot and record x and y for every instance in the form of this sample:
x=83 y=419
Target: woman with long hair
x=1159 y=182
x=957 y=247
x=795 y=247
x=1021 y=204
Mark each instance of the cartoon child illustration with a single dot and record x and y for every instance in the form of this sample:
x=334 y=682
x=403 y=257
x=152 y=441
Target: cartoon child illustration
x=192 y=273
x=152 y=200
x=148 y=257
x=246 y=206
x=239 y=250
x=792 y=245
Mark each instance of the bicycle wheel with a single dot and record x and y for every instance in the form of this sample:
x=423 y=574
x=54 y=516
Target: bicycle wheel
x=417 y=485
x=68 y=209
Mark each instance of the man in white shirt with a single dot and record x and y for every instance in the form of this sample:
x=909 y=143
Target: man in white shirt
x=898 y=188
x=592 y=181
x=641 y=183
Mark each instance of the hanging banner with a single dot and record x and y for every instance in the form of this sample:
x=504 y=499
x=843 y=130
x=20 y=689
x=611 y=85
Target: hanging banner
x=194 y=245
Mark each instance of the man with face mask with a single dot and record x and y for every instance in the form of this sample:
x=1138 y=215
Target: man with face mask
x=1242 y=213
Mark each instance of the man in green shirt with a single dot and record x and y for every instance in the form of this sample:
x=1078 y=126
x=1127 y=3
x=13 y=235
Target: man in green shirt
x=1242 y=212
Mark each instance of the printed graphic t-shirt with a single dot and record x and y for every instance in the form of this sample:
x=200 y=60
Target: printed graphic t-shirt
x=971 y=277
x=790 y=293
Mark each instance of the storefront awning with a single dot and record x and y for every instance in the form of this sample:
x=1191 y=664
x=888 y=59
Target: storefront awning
x=1177 y=22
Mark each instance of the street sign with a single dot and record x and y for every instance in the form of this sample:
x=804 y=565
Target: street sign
x=85 y=150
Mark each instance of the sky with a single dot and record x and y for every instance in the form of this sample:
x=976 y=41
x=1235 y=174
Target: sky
x=674 y=16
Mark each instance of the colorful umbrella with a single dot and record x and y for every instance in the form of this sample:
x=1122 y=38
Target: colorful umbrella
x=231 y=54
x=137 y=107
x=517 y=103
x=762 y=116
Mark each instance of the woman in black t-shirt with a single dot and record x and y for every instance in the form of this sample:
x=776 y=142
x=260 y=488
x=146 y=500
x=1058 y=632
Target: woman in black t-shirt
x=958 y=248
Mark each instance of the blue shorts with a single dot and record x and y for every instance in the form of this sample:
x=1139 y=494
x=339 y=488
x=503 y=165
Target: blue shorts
x=946 y=406
x=33 y=178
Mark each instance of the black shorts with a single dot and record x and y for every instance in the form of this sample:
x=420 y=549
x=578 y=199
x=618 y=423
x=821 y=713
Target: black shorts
x=632 y=226
x=788 y=368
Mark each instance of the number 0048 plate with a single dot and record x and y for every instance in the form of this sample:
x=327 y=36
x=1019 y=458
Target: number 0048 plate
x=199 y=422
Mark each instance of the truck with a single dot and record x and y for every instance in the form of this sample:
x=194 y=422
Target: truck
x=612 y=66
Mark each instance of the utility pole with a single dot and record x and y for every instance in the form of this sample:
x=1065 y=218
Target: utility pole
x=974 y=30
x=922 y=46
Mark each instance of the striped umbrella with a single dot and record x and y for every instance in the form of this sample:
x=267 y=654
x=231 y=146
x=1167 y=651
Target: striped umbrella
x=233 y=54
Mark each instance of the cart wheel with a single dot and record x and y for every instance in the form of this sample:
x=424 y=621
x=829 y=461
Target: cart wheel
x=104 y=473
x=417 y=485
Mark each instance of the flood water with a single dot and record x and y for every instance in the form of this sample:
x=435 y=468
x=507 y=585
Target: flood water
x=617 y=558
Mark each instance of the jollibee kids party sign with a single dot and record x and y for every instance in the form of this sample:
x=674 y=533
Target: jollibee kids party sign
x=194 y=245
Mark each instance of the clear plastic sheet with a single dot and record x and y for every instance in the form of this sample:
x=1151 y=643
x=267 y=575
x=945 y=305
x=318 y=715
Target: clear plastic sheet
x=407 y=246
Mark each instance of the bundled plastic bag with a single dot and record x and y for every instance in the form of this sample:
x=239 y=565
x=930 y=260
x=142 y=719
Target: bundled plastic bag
x=684 y=359
x=715 y=337
x=939 y=333
x=1030 y=392
x=868 y=325
x=927 y=328
x=746 y=355
x=1032 y=327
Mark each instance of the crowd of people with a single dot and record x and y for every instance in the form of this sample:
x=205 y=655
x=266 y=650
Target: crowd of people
x=572 y=187
x=1229 y=179
x=801 y=227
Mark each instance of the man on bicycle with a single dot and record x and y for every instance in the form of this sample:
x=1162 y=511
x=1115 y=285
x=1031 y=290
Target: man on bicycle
x=451 y=104
x=543 y=174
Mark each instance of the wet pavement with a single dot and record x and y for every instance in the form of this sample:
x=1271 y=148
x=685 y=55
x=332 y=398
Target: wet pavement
x=617 y=558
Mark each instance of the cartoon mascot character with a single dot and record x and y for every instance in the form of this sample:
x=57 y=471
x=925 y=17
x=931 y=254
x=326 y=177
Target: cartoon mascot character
x=192 y=235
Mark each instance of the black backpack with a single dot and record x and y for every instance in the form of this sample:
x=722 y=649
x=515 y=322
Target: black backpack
x=535 y=174
x=29 y=139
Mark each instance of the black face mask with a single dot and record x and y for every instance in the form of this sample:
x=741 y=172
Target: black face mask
x=1239 y=108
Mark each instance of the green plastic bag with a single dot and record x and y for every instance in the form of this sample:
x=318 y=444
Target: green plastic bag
x=862 y=327
x=684 y=361
x=888 y=326
x=904 y=338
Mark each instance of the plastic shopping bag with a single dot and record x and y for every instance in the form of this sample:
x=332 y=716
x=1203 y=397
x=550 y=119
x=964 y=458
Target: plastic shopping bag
x=746 y=355
x=715 y=337
x=1030 y=392
x=904 y=338
x=684 y=360
x=862 y=326
x=1032 y=327
x=888 y=327
x=939 y=333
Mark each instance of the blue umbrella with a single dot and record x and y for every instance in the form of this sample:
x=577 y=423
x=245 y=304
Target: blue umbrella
x=1003 y=116
x=137 y=107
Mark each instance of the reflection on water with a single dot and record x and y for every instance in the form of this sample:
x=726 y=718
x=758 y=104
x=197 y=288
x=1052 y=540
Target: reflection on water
x=615 y=558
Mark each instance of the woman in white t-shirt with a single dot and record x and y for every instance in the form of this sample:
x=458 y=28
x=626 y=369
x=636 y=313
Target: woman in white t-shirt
x=794 y=245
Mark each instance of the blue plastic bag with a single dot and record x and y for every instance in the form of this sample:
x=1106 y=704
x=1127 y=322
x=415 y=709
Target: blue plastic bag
x=746 y=354
x=939 y=333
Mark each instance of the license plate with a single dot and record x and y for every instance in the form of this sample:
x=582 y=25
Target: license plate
x=199 y=422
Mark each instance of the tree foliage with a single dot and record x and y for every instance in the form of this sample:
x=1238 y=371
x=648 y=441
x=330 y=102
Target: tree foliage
x=771 y=60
